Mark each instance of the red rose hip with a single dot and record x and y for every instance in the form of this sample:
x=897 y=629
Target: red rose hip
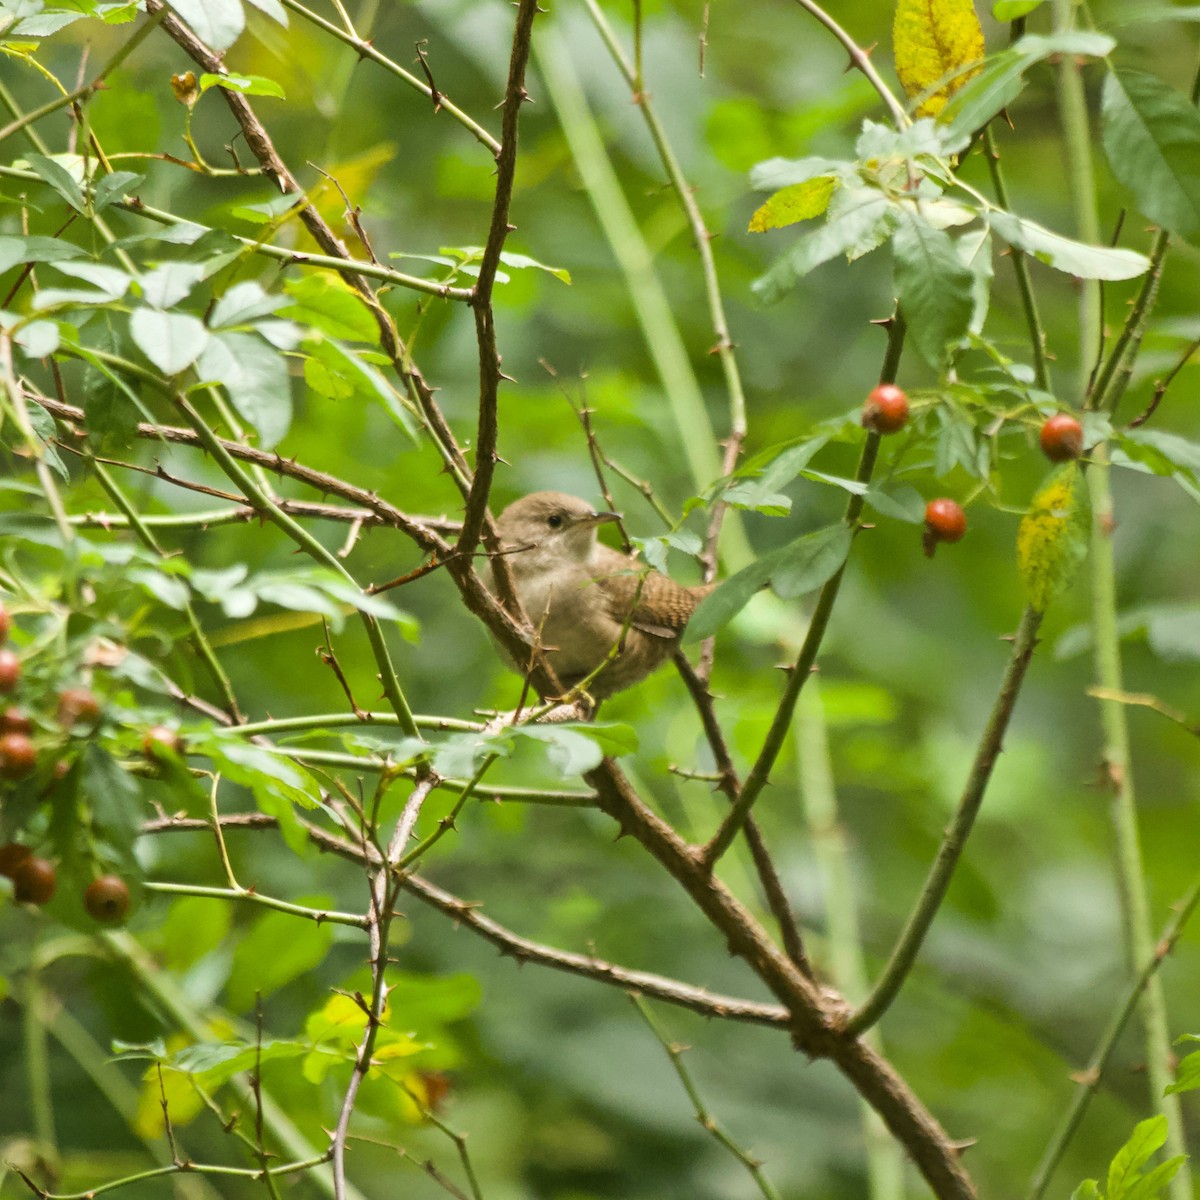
x=10 y=669
x=945 y=521
x=1062 y=438
x=107 y=899
x=34 y=881
x=17 y=755
x=886 y=409
x=77 y=706
x=13 y=720
x=160 y=738
x=5 y=623
x=12 y=856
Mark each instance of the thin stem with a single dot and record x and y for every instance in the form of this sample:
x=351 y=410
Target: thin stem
x=357 y=762
x=82 y=93
x=488 y=427
x=277 y=725
x=381 y=915
x=806 y=659
x=200 y=642
x=707 y=1121
x=368 y=50
x=831 y=851
x=308 y=543
x=1113 y=376
x=1118 y=772
x=1089 y=1079
x=861 y=59
x=1020 y=262
x=724 y=347
x=319 y=915
x=1107 y=649
x=904 y=956
x=727 y=781
x=1072 y=101
x=37 y=1063
x=652 y=308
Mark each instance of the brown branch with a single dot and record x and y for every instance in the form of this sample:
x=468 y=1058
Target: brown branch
x=816 y=1017
x=523 y=950
x=510 y=944
x=490 y=374
x=729 y=785
x=273 y=166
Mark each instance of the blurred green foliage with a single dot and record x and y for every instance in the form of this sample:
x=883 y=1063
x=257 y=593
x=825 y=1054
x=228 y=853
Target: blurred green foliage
x=563 y=1092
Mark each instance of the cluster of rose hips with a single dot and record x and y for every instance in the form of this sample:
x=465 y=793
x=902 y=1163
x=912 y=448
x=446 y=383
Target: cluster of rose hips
x=34 y=879
x=886 y=411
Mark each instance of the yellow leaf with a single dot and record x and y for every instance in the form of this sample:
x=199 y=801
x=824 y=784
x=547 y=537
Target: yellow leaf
x=184 y=1103
x=341 y=1021
x=934 y=39
x=1052 y=539
x=799 y=202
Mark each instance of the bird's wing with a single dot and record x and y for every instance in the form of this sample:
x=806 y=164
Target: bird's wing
x=661 y=607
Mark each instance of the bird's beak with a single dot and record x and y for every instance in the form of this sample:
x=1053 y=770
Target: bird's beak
x=601 y=518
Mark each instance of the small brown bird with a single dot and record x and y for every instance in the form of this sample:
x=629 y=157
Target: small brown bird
x=586 y=598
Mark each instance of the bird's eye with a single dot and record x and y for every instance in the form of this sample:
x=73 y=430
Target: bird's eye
x=554 y=520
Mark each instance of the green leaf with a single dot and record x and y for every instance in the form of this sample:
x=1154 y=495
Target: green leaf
x=249 y=85
x=809 y=561
x=722 y=604
x=1087 y=1190
x=1151 y=135
x=1153 y=1184
x=859 y=220
x=112 y=281
x=216 y=1063
x=255 y=376
x=934 y=288
x=902 y=503
x=325 y=381
x=798 y=567
x=574 y=749
x=242 y=303
x=166 y=285
x=777 y=173
x=115 y=798
x=1003 y=76
x=797 y=202
x=171 y=341
x=328 y=304
x=1064 y=254
x=273 y=9
x=60 y=179
x=37 y=339
x=278 y=949
x=1010 y=10
x=346 y=367
x=113 y=188
x=1187 y=1076
x=1164 y=453
x=1145 y=1140
x=216 y=22
x=522 y=262
x=14 y=250
x=1053 y=536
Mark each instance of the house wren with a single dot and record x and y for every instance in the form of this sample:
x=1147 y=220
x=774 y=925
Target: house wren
x=587 y=599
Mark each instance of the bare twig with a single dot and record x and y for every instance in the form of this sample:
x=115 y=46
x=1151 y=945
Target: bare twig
x=490 y=375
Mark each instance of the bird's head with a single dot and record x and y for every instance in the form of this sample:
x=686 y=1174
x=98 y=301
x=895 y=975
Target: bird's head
x=550 y=526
